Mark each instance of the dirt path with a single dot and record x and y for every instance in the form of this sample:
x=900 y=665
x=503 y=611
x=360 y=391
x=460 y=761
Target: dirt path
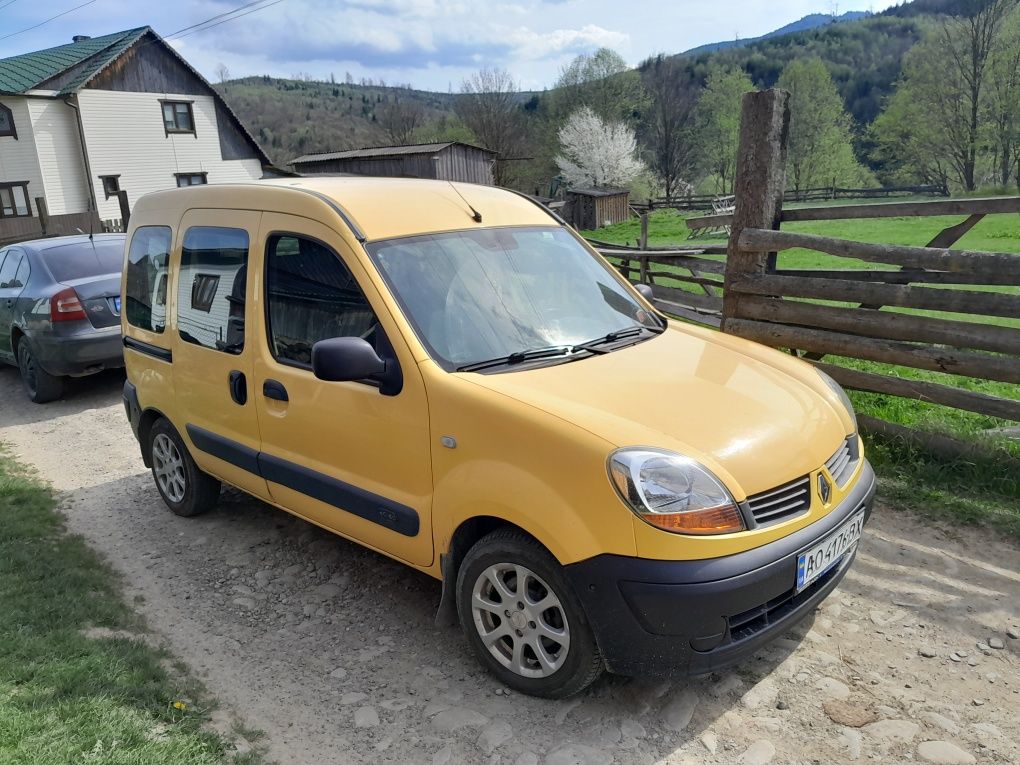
x=331 y=649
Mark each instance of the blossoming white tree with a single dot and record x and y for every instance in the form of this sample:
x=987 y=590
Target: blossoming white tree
x=596 y=152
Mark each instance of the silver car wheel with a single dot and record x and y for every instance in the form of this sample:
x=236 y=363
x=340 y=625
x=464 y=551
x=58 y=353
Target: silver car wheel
x=168 y=466
x=520 y=620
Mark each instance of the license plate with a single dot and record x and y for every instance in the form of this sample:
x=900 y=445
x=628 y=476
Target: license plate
x=116 y=304
x=829 y=552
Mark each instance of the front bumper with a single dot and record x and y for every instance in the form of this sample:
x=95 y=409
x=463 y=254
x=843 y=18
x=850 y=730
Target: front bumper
x=83 y=353
x=680 y=618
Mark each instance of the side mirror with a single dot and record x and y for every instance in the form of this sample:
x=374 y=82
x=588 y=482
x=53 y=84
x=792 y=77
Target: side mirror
x=350 y=359
x=645 y=291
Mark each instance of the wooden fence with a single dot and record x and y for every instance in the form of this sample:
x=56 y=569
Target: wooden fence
x=699 y=202
x=924 y=307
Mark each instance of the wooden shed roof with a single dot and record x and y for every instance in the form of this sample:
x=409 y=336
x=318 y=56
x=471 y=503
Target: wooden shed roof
x=386 y=151
x=599 y=192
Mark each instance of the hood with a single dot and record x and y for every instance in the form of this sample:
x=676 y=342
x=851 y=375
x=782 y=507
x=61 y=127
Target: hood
x=754 y=416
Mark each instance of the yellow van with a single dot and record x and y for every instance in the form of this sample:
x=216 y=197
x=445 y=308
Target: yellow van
x=449 y=375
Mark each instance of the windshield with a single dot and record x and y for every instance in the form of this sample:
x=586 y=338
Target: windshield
x=491 y=293
x=70 y=262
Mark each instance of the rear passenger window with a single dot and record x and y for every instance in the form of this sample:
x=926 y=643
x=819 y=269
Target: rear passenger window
x=310 y=296
x=211 y=288
x=146 y=278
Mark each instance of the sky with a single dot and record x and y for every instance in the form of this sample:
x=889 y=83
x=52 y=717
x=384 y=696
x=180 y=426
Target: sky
x=429 y=44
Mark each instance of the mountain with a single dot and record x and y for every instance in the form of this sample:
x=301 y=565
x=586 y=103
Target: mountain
x=805 y=24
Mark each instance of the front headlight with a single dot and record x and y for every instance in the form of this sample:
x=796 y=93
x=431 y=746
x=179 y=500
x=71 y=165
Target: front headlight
x=838 y=390
x=673 y=492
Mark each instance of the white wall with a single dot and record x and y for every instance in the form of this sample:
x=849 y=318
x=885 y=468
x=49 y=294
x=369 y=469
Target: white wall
x=58 y=146
x=125 y=136
x=18 y=158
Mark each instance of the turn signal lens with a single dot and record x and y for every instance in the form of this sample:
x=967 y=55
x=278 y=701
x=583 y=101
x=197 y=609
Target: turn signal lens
x=716 y=520
x=673 y=492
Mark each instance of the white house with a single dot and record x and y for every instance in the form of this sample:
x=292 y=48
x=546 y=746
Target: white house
x=83 y=121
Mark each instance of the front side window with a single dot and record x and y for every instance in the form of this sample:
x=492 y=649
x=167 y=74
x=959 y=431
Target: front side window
x=211 y=288
x=147 y=262
x=178 y=117
x=7 y=122
x=484 y=294
x=190 y=179
x=14 y=200
x=310 y=296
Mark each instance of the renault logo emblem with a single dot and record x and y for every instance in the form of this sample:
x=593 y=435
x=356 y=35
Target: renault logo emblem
x=824 y=488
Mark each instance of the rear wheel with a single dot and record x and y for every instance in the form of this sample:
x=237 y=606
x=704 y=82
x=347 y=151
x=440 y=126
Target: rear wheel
x=40 y=386
x=185 y=489
x=522 y=619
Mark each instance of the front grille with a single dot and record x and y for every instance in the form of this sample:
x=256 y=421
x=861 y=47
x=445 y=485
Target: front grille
x=779 y=504
x=841 y=465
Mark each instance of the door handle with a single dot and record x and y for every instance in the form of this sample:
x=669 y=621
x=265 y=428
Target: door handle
x=274 y=389
x=238 y=388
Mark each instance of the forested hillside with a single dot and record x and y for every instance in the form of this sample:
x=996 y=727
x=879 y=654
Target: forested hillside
x=889 y=98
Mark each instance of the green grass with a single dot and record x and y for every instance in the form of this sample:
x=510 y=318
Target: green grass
x=981 y=489
x=65 y=697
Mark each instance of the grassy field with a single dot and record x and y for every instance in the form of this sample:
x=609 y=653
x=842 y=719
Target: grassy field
x=70 y=691
x=979 y=490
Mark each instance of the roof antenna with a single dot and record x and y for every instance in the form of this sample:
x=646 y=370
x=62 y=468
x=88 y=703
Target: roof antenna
x=475 y=215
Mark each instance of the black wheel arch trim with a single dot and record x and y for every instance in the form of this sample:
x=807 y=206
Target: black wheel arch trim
x=163 y=354
x=332 y=491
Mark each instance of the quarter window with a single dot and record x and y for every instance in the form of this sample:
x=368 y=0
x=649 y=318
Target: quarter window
x=146 y=278
x=10 y=268
x=178 y=117
x=7 y=122
x=211 y=291
x=14 y=200
x=310 y=296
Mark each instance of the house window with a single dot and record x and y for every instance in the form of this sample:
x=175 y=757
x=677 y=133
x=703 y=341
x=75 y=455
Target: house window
x=190 y=179
x=178 y=117
x=111 y=185
x=14 y=200
x=7 y=122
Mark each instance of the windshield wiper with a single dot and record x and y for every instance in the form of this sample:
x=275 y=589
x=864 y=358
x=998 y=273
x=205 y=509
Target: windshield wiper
x=612 y=337
x=518 y=358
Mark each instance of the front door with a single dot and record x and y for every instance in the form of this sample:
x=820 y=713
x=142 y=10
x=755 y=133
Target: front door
x=343 y=455
x=13 y=276
x=214 y=345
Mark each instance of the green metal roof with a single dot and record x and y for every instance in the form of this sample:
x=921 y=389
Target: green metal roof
x=19 y=74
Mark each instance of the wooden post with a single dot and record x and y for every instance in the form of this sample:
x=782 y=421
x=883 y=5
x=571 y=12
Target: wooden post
x=125 y=208
x=643 y=242
x=44 y=215
x=759 y=185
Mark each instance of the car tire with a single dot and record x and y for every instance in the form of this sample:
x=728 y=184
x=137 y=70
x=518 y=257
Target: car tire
x=507 y=628
x=185 y=489
x=40 y=386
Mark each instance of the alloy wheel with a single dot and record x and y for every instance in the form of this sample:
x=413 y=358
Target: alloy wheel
x=168 y=466
x=520 y=620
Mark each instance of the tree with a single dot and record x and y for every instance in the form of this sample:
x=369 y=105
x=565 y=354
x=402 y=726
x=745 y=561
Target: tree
x=719 y=124
x=222 y=73
x=597 y=153
x=489 y=106
x=669 y=126
x=821 y=147
x=1003 y=100
x=400 y=119
x=604 y=83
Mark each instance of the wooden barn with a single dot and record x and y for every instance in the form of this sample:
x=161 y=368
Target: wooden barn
x=594 y=208
x=449 y=161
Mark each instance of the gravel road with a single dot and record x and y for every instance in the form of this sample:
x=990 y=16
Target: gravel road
x=331 y=650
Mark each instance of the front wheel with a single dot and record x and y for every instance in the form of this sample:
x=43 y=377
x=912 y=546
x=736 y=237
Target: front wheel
x=185 y=489
x=40 y=386
x=522 y=619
